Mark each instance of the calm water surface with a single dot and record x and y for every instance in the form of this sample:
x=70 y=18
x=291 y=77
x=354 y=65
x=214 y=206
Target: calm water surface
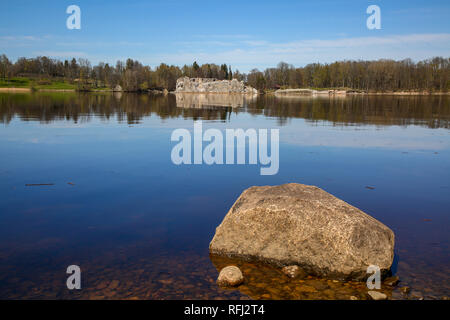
x=139 y=226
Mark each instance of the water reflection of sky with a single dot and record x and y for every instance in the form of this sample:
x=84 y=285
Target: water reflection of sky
x=296 y=131
x=128 y=192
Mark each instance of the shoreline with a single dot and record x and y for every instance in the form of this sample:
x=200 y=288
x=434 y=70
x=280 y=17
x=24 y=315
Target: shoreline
x=25 y=90
x=306 y=92
x=281 y=94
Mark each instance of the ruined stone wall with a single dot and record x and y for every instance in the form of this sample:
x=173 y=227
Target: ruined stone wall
x=209 y=85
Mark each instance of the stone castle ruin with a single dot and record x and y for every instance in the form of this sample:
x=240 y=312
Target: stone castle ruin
x=211 y=85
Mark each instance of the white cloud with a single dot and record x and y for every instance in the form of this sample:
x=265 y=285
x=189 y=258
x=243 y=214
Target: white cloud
x=242 y=51
x=256 y=43
x=203 y=44
x=367 y=41
x=223 y=36
x=61 y=54
x=18 y=41
x=100 y=44
x=20 y=38
x=246 y=54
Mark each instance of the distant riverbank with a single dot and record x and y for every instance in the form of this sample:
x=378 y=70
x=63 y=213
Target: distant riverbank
x=289 y=94
x=300 y=92
x=22 y=90
x=24 y=84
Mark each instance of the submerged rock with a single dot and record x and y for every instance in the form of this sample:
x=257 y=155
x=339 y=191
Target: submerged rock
x=306 y=226
x=261 y=279
x=392 y=281
x=375 y=295
x=293 y=272
x=405 y=290
x=230 y=276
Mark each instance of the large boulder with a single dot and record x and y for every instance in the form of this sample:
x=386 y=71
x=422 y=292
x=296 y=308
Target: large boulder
x=296 y=224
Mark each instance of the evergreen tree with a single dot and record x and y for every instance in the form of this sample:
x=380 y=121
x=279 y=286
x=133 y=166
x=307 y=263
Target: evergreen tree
x=196 y=67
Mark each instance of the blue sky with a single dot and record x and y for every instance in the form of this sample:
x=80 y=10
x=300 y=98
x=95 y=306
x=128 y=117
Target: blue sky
x=245 y=34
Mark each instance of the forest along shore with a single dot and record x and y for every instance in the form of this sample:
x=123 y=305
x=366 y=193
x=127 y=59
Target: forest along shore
x=314 y=93
x=376 y=76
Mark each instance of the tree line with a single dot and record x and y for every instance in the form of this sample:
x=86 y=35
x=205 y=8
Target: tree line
x=378 y=75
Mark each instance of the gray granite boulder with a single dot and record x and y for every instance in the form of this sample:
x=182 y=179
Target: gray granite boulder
x=296 y=224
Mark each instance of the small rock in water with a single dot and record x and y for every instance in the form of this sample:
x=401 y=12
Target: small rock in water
x=230 y=276
x=391 y=281
x=417 y=295
x=293 y=271
x=114 y=284
x=102 y=285
x=396 y=295
x=375 y=295
x=405 y=290
x=306 y=289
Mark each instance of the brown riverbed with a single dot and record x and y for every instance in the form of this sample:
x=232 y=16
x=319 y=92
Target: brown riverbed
x=139 y=226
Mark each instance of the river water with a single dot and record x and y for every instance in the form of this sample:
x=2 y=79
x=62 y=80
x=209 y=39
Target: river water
x=139 y=226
